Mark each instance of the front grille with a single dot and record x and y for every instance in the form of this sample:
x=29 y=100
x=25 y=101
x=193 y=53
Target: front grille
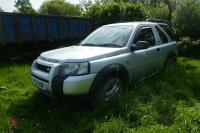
x=43 y=68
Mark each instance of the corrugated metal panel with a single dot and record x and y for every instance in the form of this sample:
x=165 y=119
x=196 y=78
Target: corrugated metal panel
x=73 y=28
x=1 y=33
x=83 y=28
x=79 y=22
x=66 y=28
x=88 y=26
x=53 y=28
x=9 y=28
x=40 y=28
x=77 y=33
x=19 y=28
x=26 y=28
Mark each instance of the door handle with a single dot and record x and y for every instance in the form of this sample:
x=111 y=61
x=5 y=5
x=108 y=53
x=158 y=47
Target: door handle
x=158 y=49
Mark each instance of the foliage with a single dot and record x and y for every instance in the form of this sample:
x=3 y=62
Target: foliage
x=167 y=102
x=1 y=10
x=170 y=4
x=145 y=2
x=159 y=12
x=161 y=9
x=104 y=14
x=59 y=7
x=85 y=4
x=189 y=47
x=113 y=12
x=132 y=12
x=186 y=19
x=24 y=6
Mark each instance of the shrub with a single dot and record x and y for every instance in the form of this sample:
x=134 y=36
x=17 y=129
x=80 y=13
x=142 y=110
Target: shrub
x=189 y=47
x=59 y=7
x=159 y=12
x=186 y=20
x=113 y=12
x=133 y=12
x=110 y=13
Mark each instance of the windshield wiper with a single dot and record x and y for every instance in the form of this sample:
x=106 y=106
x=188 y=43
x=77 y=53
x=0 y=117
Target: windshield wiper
x=102 y=45
x=109 y=45
x=88 y=44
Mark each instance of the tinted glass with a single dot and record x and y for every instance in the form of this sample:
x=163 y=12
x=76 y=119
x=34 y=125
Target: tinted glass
x=146 y=34
x=163 y=37
x=168 y=31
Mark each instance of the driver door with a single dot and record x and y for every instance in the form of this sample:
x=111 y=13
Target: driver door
x=144 y=61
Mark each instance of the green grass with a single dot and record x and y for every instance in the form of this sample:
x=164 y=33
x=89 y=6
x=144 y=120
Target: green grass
x=167 y=102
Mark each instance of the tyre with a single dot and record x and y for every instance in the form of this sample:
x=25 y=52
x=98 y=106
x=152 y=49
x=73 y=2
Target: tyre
x=105 y=88
x=170 y=62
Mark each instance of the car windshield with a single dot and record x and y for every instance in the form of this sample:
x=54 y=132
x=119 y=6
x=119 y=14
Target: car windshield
x=110 y=36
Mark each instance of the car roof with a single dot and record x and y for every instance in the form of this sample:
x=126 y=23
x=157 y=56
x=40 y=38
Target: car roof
x=133 y=24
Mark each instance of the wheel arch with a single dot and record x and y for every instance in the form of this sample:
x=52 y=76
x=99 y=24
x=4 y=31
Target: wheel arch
x=119 y=69
x=171 y=54
x=116 y=68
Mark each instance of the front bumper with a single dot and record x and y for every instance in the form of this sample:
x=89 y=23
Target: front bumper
x=51 y=84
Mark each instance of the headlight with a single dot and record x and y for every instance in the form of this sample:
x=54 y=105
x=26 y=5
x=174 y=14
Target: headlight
x=74 y=69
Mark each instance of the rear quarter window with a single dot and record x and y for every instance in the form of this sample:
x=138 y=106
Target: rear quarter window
x=168 y=30
x=162 y=35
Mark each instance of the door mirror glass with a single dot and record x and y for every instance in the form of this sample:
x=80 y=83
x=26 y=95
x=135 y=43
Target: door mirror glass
x=140 y=45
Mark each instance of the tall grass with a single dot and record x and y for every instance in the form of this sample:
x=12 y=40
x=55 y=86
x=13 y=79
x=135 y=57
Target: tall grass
x=166 y=102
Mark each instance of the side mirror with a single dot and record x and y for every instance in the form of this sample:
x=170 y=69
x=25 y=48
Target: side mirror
x=140 y=45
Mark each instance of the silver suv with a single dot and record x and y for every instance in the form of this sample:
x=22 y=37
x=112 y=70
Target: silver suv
x=106 y=61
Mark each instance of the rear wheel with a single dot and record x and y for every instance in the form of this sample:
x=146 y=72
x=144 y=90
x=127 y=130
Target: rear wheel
x=170 y=62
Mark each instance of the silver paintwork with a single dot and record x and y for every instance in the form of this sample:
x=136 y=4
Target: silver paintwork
x=79 y=54
x=46 y=76
x=76 y=85
x=139 y=64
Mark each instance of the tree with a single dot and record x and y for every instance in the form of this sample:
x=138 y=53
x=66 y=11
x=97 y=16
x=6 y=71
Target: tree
x=171 y=4
x=59 y=7
x=24 y=6
x=159 y=12
x=186 y=19
x=85 y=4
x=168 y=3
x=113 y=12
x=1 y=10
x=153 y=3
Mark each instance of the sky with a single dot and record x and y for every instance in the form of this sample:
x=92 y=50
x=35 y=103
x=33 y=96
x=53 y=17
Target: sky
x=8 y=5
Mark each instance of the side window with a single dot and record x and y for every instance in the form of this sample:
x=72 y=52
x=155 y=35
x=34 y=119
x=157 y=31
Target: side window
x=168 y=30
x=163 y=37
x=145 y=34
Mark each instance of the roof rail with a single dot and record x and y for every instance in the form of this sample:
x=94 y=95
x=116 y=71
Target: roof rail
x=157 y=20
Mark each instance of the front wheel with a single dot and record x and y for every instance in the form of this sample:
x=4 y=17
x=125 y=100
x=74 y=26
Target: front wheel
x=106 y=88
x=112 y=88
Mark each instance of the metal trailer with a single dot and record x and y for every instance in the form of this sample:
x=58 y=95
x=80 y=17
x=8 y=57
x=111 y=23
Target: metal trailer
x=16 y=28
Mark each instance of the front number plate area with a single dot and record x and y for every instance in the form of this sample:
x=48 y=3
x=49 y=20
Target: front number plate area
x=39 y=84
